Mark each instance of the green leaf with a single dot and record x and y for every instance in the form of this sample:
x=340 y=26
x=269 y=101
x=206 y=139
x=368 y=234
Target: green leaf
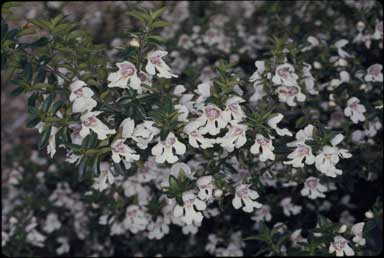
x=82 y=167
x=159 y=24
x=140 y=15
x=27 y=72
x=32 y=121
x=90 y=141
x=45 y=137
x=44 y=24
x=56 y=106
x=47 y=103
x=17 y=91
x=155 y=39
x=96 y=165
x=41 y=42
x=158 y=12
x=56 y=20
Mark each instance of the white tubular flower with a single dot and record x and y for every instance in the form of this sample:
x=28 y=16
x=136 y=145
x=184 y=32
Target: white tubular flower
x=288 y=94
x=195 y=138
x=340 y=245
x=204 y=91
x=357 y=231
x=297 y=157
x=163 y=150
x=354 y=110
x=309 y=81
x=205 y=187
x=144 y=133
x=188 y=212
x=105 y=178
x=245 y=197
x=285 y=75
x=266 y=147
x=374 y=73
x=303 y=135
x=289 y=208
x=89 y=121
x=212 y=120
x=340 y=51
x=159 y=228
x=329 y=157
x=135 y=219
x=51 y=147
x=81 y=97
x=233 y=111
x=297 y=239
x=263 y=214
x=234 y=138
x=273 y=124
x=120 y=149
x=313 y=189
x=378 y=34
x=128 y=126
x=52 y=223
x=256 y=78
x=183 y=112
x=155 y=62
x=127 y=73
x=125 y=77
x=75 y=135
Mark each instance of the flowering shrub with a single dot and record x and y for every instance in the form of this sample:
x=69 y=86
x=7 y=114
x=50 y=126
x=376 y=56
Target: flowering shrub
x=229 y=142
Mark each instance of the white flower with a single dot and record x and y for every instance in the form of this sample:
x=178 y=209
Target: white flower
x=313 y=189
x=144 y=133
x=212 y=120
x=297 y=157
x=296 y=238
x=128 y=126
x=354 y=110
x=89 y=121
x=374 y=73
x=188 y=210
x=340 y=245
x=159 y=228
x=273 y=124
x=233 y=111
x=155 y=62
x=340 y=51
x=81 y=97
x=289 y=208
x=309 y=81
x=135 y=219
x=52 y=223
x=329 y=157
x=163 y=150
x=205 y=187
x=204 y=91
x=75 y=135
x=288 y=94
x=195 y=138
x=64 y=247
x=245 y=197
x=266 y=148
x=120 y=149
x=51 y=147
x=256 y=78
x=378 y=34
x=234 y=138
x=183 y=112
x=105 y=178
x=357 y=231
x=127 y=73
x=285 y=75
x=264 y=213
